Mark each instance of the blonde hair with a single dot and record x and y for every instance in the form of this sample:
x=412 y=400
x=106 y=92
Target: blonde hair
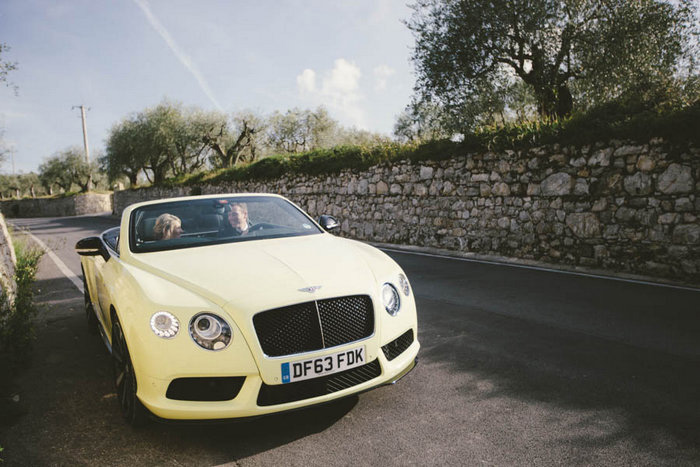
x=165 y=226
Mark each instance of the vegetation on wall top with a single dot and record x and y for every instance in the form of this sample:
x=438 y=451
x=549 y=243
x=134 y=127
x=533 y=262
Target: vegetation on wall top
x=601 y=124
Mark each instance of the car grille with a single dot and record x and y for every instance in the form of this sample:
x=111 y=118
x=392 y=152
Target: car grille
x=396 y=347
x=314 y=325
x=283 y=393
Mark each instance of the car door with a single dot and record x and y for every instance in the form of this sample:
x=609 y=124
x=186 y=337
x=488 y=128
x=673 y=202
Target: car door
x=105 y=274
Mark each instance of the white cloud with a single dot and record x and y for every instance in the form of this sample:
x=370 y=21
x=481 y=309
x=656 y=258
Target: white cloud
x=381 y=76
x=339 y=91
x=182 y=56
x=307 y=81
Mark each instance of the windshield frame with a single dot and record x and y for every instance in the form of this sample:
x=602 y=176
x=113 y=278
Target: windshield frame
x=139 y=249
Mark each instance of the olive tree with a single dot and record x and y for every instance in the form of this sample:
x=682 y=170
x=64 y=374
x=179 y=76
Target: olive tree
x=236 y=139
x=301 y=130
x=565 y=51
x=65 y=169
x=161 y=141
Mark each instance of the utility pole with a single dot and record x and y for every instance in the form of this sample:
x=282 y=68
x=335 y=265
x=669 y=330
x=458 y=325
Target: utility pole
x=12 y=155
x=85 y=140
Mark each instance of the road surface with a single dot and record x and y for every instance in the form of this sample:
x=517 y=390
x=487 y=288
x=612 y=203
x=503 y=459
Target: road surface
x=518 y=366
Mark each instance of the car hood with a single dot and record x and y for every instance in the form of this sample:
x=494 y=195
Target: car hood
x=262 y=274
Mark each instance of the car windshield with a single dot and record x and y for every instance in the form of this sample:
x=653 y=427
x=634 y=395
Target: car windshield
x=198 y=222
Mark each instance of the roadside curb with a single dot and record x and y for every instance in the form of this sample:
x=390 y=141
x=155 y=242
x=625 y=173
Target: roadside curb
x=540 y=265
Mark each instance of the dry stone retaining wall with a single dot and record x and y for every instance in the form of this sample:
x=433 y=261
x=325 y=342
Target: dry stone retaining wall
x=620 y=206
x=8 y=262
x=78 y=205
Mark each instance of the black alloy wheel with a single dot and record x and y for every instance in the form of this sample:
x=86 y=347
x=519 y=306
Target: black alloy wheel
x=134 y=412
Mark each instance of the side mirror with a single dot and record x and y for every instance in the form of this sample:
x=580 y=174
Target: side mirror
x=91 y=246
x=328 y=223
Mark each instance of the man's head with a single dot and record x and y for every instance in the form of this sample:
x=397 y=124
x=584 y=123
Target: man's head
x=238 y=216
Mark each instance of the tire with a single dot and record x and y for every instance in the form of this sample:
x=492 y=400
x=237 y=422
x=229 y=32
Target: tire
x=90 y=316
x=131 y=407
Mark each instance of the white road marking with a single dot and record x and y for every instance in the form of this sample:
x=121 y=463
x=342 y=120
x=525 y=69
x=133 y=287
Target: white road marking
x=59 y=263
x=541 y=268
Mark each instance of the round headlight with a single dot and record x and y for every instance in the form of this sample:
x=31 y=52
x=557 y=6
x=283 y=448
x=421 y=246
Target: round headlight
x=164 y=324
x=391 y=299
x=210 y=331
x=403 y=283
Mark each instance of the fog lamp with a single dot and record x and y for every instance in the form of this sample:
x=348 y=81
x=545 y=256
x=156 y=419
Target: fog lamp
x=164 y=324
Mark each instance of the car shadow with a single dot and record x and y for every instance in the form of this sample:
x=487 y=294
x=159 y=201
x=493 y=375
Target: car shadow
x=68 y=411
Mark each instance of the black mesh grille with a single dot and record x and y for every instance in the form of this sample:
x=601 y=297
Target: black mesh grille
x=289 y=330
x=396 y=347
x=205 y=389
x=346 y=319
x=296 y=329
x=283 y=393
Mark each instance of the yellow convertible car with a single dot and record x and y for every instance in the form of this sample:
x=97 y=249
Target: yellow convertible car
x=229 y=306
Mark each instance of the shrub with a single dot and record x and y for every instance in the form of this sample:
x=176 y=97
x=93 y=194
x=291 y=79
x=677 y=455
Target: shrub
x=16 y=326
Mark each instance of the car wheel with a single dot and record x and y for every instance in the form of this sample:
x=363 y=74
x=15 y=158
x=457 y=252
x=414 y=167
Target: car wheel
x=89 y=310
x=133 y=410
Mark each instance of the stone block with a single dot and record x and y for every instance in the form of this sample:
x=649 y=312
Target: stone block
x=638 y=184
x=557 y=184
x=676 y=178
x=646 y=163
x=625 y=214
x=500 y=189
x=629 y=150
x=688 y=234
x=426 y=173
x=668 y=218
x=683 y=204
x=578 y=162
x=581 y=187
x=601 y=157
x=583 y=225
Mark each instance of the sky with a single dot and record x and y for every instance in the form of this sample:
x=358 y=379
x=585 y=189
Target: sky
x=122 y=56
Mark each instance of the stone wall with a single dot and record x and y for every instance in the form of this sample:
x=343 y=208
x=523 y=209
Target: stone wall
x=78 y=205
x=8 y=262
x=621 y=206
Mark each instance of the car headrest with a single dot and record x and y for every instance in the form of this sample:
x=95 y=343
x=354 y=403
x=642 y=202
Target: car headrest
x=209 y=222
x=145 y=229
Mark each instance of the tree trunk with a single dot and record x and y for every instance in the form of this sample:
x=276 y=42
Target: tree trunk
x=554 y=102
x=565 y=102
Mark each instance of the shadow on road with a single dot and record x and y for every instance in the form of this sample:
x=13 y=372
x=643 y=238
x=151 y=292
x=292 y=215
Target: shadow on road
x=621 y=392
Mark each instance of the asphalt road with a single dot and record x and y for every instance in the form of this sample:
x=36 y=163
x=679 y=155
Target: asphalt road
x=517 y=367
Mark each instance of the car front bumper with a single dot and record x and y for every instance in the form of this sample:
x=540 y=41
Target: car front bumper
x=151 y=392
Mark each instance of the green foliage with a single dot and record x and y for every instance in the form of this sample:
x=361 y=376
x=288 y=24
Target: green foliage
x=16 y=327
x=21 y=185
x=614 y=120
x=472 y=57
x=66 y=169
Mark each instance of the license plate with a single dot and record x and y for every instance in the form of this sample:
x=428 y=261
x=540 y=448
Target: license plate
x=321 y=366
